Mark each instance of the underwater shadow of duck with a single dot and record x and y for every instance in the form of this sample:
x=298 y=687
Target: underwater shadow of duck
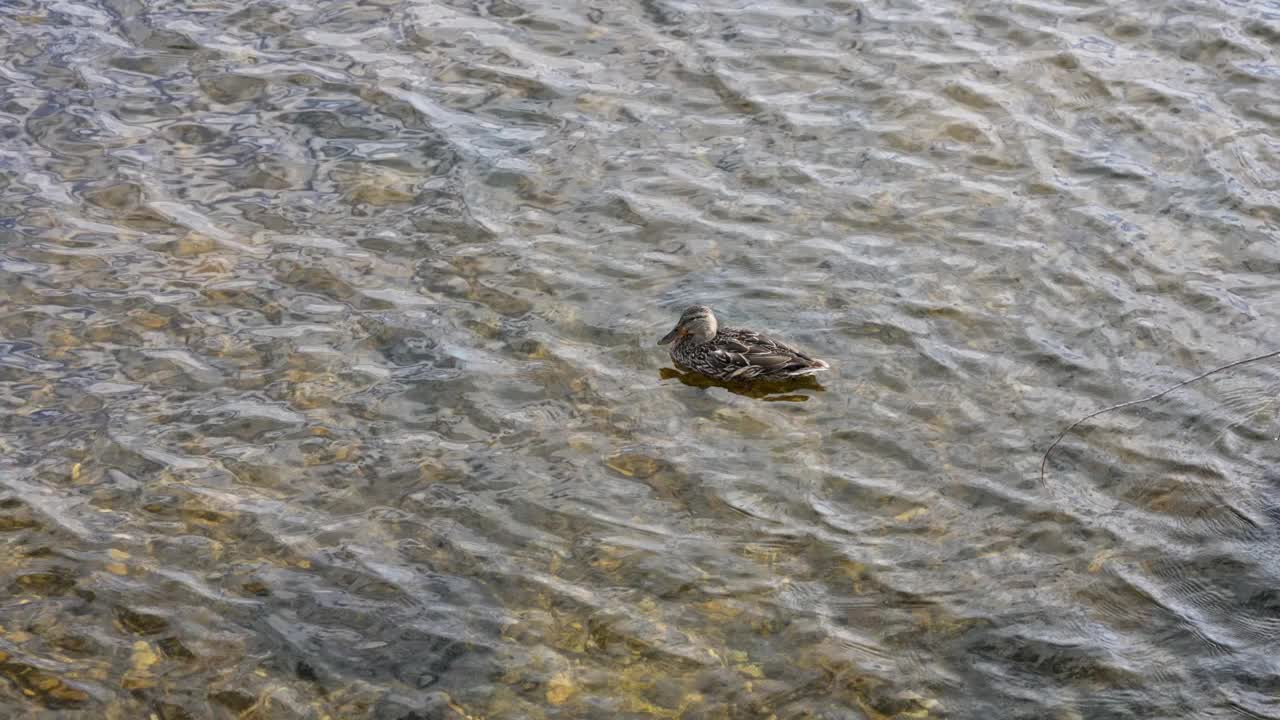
x=767 y=390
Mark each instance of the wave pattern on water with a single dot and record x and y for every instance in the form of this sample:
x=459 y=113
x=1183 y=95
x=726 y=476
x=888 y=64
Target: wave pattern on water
x=329 y=387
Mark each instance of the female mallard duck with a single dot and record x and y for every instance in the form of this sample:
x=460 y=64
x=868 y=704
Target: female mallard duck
x=732 y=353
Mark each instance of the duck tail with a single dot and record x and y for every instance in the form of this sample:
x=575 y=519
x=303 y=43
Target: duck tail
x=815 y=366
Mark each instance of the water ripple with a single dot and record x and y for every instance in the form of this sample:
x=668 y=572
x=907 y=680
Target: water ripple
x=329 y=387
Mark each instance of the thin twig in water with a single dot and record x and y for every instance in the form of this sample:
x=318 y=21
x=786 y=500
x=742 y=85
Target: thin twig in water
x=1045 y=460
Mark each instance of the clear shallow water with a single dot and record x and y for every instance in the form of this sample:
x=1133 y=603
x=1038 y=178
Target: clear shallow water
x=329 y=387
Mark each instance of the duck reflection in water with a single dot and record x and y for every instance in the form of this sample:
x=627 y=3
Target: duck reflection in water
x=768 y=390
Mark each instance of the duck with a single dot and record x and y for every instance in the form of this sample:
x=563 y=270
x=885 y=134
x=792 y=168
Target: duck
x=734 y=354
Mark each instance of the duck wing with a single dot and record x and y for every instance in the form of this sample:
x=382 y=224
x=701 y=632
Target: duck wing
x=744 y=354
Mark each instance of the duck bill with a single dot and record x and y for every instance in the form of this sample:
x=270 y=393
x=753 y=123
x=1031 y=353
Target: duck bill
x=675 y=333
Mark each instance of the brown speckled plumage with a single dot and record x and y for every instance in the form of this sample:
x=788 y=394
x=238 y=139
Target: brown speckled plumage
x=733 y=353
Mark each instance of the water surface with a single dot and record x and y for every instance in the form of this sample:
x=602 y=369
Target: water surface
x=329 y=390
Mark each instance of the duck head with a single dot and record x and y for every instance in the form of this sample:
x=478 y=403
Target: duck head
x=697 y=322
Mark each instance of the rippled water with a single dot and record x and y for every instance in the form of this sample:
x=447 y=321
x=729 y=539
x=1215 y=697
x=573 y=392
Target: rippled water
x=329 y=384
